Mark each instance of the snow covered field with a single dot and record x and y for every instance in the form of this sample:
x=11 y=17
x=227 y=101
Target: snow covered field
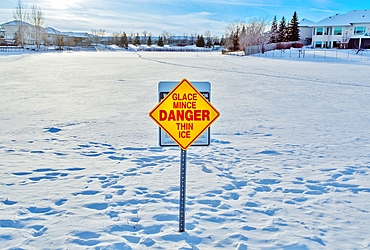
x=80 y=166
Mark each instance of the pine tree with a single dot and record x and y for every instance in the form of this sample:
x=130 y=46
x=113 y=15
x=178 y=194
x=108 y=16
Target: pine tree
x=149 y=42
x=200 y=41
x=223 y=41
x=282 y=31
x=209 y=42
x=124 y=40
x=160 y=42
x=293 y=29
x=274 y=31
x=137 y=40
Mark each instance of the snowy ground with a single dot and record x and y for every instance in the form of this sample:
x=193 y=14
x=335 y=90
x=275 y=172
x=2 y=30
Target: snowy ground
x=80 y=166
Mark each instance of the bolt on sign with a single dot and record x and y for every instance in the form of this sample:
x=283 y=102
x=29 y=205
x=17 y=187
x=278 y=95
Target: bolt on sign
x=184 y=114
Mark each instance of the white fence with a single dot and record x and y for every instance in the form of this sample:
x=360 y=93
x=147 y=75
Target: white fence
x=313 y=53
x=45 y=49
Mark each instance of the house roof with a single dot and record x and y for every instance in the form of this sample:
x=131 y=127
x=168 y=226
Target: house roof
x=305 y=23
x=16 y=23
x=347 y=19
x=53 y=31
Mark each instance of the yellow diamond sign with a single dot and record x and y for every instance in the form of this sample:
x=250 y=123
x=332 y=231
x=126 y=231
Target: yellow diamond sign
x=184 y=114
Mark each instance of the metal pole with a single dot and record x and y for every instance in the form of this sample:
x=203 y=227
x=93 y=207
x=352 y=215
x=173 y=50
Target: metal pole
x=182 y=190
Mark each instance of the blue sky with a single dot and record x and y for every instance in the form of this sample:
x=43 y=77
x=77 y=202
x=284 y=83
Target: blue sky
x=176 y=17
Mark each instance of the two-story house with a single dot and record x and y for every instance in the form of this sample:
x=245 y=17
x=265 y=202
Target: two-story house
x=336 y=31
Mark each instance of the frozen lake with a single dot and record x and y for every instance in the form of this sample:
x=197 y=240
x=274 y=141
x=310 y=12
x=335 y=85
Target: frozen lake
x=80 y=167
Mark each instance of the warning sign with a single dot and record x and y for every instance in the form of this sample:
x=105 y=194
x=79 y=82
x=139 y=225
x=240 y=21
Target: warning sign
x=184 y=114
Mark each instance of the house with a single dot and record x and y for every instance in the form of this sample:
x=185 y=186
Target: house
x=47 y=36
x=82 y=39
x=12 y=29
x=338 y=30
x=305 y=31
x=54 y=37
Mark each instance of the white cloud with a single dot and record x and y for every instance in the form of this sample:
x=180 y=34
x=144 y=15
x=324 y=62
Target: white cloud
x=176 y=17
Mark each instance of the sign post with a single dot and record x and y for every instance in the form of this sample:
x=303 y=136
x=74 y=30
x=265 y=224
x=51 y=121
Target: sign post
x=184 y=114
x=182 y=191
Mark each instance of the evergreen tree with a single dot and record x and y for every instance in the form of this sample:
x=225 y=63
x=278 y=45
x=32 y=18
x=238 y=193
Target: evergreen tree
x=282 y=37
x=200 y=41
x=231 y=42
x=223 y=41
x=274 y=31
x=209 y=42
x=149 y=42
x=160 y=42
x=124 y=40
x=293 y=29
x=137 y=40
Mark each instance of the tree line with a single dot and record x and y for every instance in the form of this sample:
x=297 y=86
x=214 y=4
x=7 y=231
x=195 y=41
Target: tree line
x=239 y=34
x=200 y=40
x=258 y=31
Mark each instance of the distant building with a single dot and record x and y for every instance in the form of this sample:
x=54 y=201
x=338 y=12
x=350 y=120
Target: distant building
x=82 y=39
x=54 y=37
x=49 y=36
x=305 y=31
x=11 y=29
x=340 y=31
x=2 y=36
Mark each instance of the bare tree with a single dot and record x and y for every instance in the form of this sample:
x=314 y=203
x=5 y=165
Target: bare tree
x=95 y=39
x=115 y=37
x=185 y=39
x=233 y=32
x=192 y=38
x=207 y=33
x=97 y=36
x=216 y=40
x=101 y=33
x=20 y=14
x=208 y=36
x=144 y=37
x=254 y=32
x=37 y=20
x=166 y=36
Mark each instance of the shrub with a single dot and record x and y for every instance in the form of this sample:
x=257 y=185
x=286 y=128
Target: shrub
x=281 y=46
x=297 y=45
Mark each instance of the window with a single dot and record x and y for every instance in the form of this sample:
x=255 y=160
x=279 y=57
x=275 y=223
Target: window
x=360 y=30
x=319 y=31
x=318 y=44
x=327 y=31
x=337 y=31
